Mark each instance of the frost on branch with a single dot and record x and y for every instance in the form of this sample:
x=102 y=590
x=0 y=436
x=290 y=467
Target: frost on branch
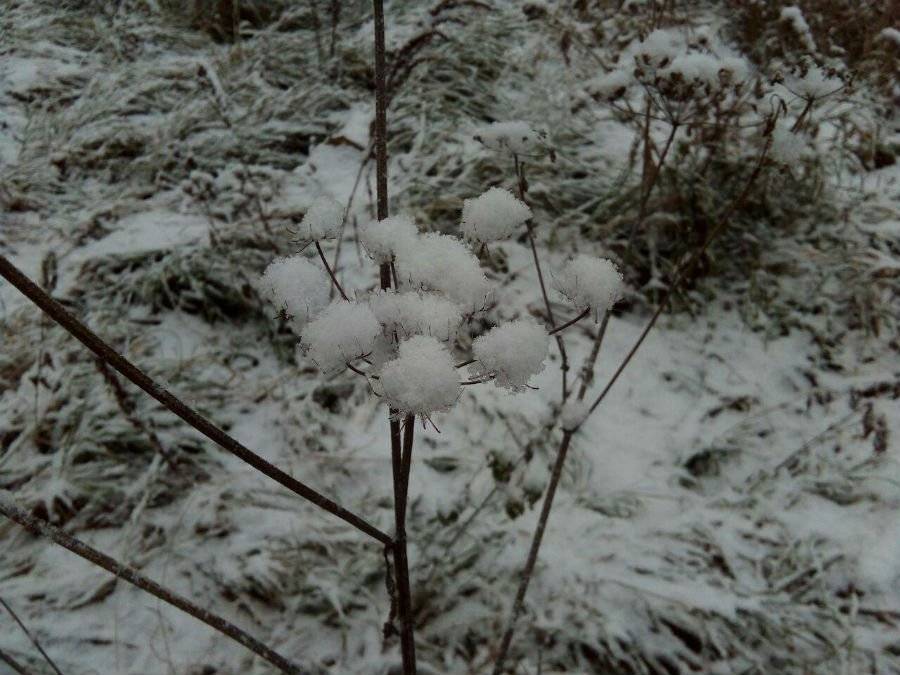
x=590 y=283
x=515 y=136
x=343 y=332
x=512 y=353
x=493 y=215
x=443 y=263
x=422 y=379
x=322 y=220
x=414 y=313
x=382 y=238
x=297 y=287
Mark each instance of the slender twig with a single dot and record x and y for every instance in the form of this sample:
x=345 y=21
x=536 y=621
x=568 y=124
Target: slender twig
x=468 y=362
x=650 y=176
x=555 y=475
x=32 y=638
x=587 y=370
x=12 y=663
x=132 y=576
x=570 y=322
x=126 y=368
x=334 y=281
x=401 y=564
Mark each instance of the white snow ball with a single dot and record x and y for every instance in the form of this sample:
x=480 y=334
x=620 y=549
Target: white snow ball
x=296 y=286
x=512 y=352
x=493 y=215
x=613 y=84
x=590 y=283
x=443 y=263
x=515 y=136
x=787 y=147
x=422 y=379
x=414 y=313
x=381 y=238
x=343 y=332
x=322 y=220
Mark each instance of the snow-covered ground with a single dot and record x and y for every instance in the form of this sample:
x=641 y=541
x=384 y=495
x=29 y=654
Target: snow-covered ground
x=731 y=507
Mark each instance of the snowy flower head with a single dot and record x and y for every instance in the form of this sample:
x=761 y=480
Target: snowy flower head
x=612 y=85
x=297 y=287
x=322 y=220
x=343 y=332
x=413 y=313
x=590 y=283
x=493 y=215
x=516 y=137
x=512 y=353
x=422 y=379
x=657 y=49
x=443 y=263
x=382 y=238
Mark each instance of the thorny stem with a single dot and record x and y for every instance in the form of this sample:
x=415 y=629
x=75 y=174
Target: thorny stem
x=32 y=638
x=564 y=359
x=337 y=284
x=680 y=276
x=138 y=377
x=135 y=578
x=400 y=473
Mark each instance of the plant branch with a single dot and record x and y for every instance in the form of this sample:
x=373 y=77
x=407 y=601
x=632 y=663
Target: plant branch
x=570 y=322
x=135 y=578
x=32 y=638
x=138 y=377
x=337 y=284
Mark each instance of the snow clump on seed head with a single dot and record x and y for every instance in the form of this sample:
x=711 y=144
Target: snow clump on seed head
x=512 y=353
x=590 y=283
x=297 y=287
x=414 y=313
x=343 y=332
x=492 y=216
x=322 y=220
x=515 y=136
x=422 y=379
x=382 y=238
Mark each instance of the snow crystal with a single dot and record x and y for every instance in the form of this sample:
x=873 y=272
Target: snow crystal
x=296 y=286
x=413 y=313
x=322 y=220
x=512 y=352
x=816 y=84
x=493 y=215
x=794 y=16
x=422 y=379
x=381 y=238
x=443 y=263
x=613 y=84
x=343 y=332
x=787 y=147
x=516 y=136
x=574 y=413
x=590 y=283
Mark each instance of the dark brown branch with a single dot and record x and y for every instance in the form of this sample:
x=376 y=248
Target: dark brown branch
x=135 y=578
x=570 y=322
x=32 y=638
x=12 y=663
x=334 y=281
x=125 y=367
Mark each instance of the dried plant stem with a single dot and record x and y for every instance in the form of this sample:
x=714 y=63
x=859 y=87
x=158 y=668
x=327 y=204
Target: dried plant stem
x=334 y=281
x=132 y=576
x=587 y=370
x=12 y=663
x=556 y=474
x=32 y=638
x=401 y=456
x=126 y=368
x=570 y=322
x=651 y=174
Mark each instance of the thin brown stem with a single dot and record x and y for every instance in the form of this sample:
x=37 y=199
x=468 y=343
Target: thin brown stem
x=12 y=663
x=651 y=175
x=334 y=281
x=587 y=370
x=570 y=322
x=530 y=563
x=468 y=362
x=32 y=638
x=126 y=368
x=135 y=578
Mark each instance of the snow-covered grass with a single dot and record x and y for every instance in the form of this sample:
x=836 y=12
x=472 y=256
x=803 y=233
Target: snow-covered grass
x=731 y=507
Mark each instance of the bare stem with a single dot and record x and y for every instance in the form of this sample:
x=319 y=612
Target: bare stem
x=337 y=284
x=32 y=638
x=126 y=368
x=570 y=322
x=135 y=578
x=587 y=370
